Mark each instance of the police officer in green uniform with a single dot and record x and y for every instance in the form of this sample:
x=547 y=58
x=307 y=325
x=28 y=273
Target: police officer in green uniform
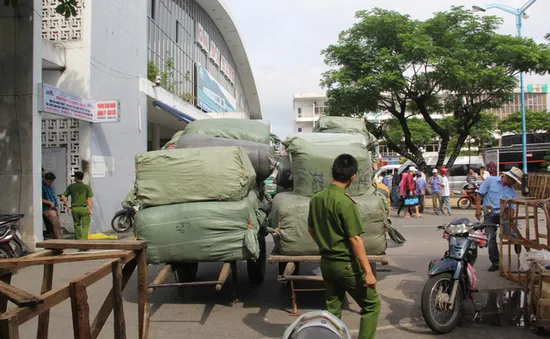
x=81 y=205
x=335 y=225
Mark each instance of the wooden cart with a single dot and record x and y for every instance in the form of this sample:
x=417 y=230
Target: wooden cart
x=537 y=306
x=185 y=273
x=289 y=272
x=122 y=259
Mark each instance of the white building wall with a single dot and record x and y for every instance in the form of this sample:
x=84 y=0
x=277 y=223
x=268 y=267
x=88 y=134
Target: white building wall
x=118 y=59
x=308 y=107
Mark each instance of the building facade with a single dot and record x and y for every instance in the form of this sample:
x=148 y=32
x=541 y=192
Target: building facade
x=308 y=107
x=106 y=56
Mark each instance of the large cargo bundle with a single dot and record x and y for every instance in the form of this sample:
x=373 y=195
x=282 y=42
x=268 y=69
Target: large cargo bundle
x=187 y=175
x=261 y=156
x=334 y=139
x=312 y=167
x=288 y=221
x=328 y=124
x=202 y=231
x=240 y=129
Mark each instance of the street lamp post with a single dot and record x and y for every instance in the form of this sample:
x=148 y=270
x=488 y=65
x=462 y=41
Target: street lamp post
x=519 y=13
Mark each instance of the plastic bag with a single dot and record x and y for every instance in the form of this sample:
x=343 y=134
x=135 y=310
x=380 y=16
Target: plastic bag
x=524 y=265
x=542 y=256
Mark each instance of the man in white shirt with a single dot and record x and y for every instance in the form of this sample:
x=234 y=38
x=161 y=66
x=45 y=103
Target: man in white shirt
x=483 y=173
x=445 y=192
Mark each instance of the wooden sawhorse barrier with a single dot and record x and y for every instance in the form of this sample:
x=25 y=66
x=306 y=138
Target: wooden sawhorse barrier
x=122 y=256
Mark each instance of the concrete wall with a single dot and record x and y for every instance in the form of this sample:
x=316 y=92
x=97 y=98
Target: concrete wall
x=118 y=57
x=20 y=156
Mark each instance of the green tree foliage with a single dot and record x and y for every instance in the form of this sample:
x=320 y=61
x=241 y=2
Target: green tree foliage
x=481 y=134
x=454 y=62
x=152 y=71
x=421 y=133
x=67 y=8
x=534 y=122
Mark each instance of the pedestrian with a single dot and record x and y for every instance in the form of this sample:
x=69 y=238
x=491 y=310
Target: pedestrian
x=81 y=205
x=50 y=206
x=406 y=191
x=445 y=193
x=386 y=180
x=395 y=181
x=492 y=190
x=435 y=187
x=483 y=173
x=420 y=191
x=471 y=178
x=335 y=225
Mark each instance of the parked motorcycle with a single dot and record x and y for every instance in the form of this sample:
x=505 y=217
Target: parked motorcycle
x=318 y=325
x=452 y=279
x=11 y=241
x=124 y=219
x=468 y=198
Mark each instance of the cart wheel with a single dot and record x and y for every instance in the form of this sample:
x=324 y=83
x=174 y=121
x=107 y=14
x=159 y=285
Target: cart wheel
x=256 y=268
x=282 y=266
x=185 y=272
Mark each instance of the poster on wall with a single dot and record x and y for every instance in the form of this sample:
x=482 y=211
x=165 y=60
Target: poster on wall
x=212 y=96
x=491 y=161
x=107 y=111
x=59 y=102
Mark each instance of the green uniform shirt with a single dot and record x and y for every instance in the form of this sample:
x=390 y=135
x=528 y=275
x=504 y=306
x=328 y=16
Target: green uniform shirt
x=79 y=193
x=335 y=218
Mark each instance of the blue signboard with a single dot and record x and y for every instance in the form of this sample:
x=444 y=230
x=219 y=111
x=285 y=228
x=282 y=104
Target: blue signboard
x=212 y=96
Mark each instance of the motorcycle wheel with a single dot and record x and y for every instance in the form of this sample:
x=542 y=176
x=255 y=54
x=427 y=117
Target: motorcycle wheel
x=464 y=203
x=6 y=252
x=435 y=295
x=122 y=223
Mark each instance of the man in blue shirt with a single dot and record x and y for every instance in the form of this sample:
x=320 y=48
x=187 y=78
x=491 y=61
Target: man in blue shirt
x=435 y=187
x=420 y=190
x=491 y=191
x=50 y=207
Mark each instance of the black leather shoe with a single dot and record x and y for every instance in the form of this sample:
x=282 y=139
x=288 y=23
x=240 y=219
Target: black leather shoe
x=493 y=268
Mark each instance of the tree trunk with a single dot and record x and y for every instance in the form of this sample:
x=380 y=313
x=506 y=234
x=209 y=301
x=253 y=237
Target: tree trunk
x=442 y=152
x=456 y=152
x=414 y=156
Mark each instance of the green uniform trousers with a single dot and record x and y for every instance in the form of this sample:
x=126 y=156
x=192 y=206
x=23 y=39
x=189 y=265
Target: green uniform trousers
x=81 y=219
x=341 y=277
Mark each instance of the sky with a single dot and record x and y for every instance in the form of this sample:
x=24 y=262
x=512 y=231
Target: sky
x=284 y=39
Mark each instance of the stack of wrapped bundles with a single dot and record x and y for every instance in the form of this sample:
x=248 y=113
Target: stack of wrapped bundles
x=198 y=205
x=199 y=197
x=253 y=136
x=308 y=169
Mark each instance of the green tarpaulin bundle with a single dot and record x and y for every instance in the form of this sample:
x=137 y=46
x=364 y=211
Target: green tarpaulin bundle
x=329 y=124
x=312 y=167
x=288 y=224
x=196 y=174
x=334 y=139
x=202 y=231
x=261 y=156
x=240 y=129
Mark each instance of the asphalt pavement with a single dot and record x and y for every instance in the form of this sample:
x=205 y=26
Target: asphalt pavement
x=264 y=311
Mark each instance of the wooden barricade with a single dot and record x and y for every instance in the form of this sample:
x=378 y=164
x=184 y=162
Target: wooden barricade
x=539 y=185
x=534 y=233
x=123 y=258
x=536 y=289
